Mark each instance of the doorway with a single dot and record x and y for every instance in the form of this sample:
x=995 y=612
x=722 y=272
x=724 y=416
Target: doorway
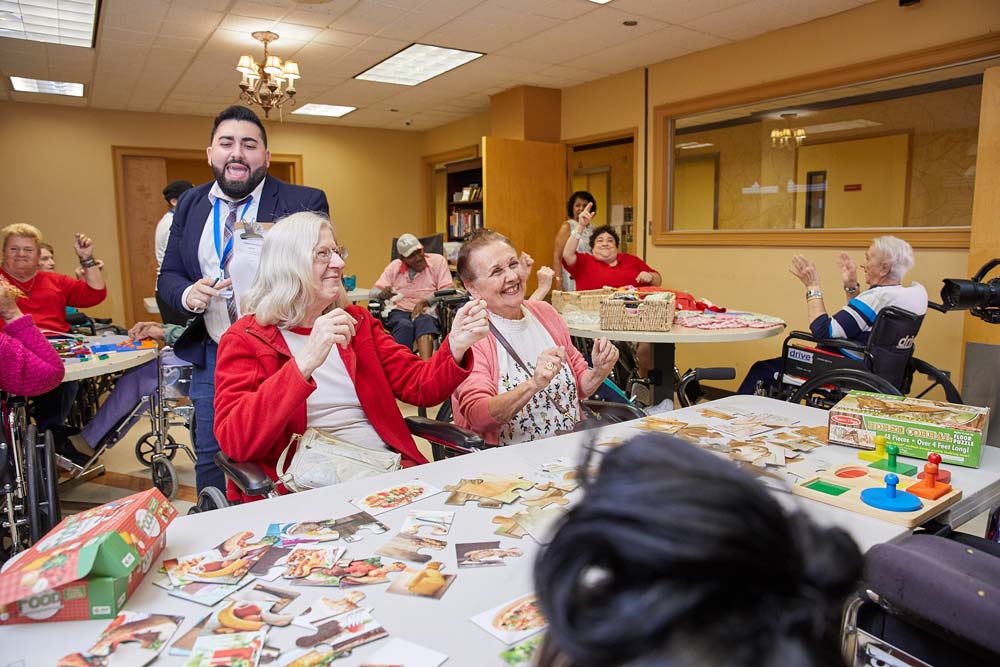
x=604 y=166
x=140 y=174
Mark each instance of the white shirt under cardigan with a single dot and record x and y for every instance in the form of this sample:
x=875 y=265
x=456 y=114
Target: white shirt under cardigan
x=334 y=406
x=162 y=236
x=246 y=256
x=540 y=417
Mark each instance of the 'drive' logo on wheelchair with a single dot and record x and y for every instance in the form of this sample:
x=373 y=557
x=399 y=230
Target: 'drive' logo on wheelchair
x=905 y=343
x=796 y=354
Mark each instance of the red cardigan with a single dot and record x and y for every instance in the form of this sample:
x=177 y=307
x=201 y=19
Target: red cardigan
x=260 y=396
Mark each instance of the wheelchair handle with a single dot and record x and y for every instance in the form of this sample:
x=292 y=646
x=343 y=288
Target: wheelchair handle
x=715 y=373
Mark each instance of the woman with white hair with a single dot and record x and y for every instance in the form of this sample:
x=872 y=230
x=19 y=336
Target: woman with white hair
x=887 y=261
x=298 y=360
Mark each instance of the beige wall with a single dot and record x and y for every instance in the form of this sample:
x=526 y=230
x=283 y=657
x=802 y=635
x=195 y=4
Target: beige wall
x=62 y=178
x=466 y=132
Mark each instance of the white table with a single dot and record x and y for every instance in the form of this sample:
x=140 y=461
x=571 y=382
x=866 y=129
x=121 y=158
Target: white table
x=116 y=361
x=664 y=342
x=444 y=625
x=359 y=294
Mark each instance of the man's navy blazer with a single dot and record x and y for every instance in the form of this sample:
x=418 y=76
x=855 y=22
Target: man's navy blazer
x=180 y=262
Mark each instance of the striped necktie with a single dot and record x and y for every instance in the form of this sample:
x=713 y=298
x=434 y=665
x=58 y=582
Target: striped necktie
x=227 y=254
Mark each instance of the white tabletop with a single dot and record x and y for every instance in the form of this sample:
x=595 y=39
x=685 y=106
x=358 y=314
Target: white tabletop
x=677 y=334
x=359 y=294
x=116 y=361
x=443 y=625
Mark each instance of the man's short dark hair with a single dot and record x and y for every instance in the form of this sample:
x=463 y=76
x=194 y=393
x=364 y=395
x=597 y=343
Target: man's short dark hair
x=237 y=112
x=606 y=229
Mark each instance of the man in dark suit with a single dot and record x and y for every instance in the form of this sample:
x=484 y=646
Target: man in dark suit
x=212 y=256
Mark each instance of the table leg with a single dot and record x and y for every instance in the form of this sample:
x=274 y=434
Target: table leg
x=663 y=363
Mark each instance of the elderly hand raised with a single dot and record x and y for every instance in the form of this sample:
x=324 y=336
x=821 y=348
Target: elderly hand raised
x=848 y=270
x=334 y=328
x=604 y=356
x=471 y=324
x=804 y=269
x=547 y=367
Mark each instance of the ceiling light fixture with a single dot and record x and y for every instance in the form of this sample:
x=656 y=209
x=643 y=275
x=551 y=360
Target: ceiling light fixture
x=261 y=84
x=600 y=2
x=331 y=110
x=787 y=137
x=47 y=87
x=417 y=63
x=67 y=22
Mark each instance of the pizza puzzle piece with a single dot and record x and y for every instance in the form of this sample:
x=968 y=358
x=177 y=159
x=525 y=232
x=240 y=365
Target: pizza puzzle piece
x=406 y=547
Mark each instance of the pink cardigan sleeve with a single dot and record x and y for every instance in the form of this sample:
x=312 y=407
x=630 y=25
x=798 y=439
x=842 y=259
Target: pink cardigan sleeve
x=29 y=366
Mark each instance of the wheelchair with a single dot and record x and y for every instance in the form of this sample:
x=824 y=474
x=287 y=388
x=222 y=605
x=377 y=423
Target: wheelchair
x=820 y=371
x=29 y=481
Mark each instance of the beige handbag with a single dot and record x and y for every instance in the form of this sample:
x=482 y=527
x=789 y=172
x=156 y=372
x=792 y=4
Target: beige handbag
x=322 y=459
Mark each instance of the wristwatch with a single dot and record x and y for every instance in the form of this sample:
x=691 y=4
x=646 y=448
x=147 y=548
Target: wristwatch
x=814 y=294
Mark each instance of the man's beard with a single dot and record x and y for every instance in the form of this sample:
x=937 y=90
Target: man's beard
x=238 y=189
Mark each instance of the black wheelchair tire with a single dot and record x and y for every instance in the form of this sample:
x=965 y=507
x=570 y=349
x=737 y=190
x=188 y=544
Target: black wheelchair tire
x=164 y=475
x=51 y=474
x=858 y=379
x=145 y=448
x=209 y=499
x=33 y=484
x=951 y=393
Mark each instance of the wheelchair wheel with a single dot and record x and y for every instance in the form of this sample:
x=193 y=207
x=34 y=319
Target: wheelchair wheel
x=937 y=377
x=209 y=499
x=826 y=389
x=33 y=484
x=164 y=475
x=145 y=448
x=50 y=472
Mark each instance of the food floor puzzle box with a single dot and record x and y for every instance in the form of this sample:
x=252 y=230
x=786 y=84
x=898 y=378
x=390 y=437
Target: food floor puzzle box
x=917 y=426
x=88 y=565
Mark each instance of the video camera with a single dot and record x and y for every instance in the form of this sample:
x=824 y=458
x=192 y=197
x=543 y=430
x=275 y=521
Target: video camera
x=981 y=299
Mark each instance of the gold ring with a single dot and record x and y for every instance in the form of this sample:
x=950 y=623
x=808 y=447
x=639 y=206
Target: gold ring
x=549 y=366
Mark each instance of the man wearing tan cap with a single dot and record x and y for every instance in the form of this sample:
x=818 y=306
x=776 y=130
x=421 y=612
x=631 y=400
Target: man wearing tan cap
x=409 y=282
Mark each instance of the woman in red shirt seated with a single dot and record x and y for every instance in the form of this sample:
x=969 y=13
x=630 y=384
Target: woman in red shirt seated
x=605 y=266
x=298 y=360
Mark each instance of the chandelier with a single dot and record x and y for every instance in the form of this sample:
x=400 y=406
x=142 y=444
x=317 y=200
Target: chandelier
x=787 y=137
x=261 y=84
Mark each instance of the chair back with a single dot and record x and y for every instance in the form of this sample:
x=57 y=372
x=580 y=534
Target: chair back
x=433 y=244
x=890 y=345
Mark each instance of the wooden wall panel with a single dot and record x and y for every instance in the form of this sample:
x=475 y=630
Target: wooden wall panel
x=143 y=181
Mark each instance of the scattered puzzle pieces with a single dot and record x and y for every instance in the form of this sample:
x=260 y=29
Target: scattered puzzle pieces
x=406 y=547
x=534 y=521
x=432 y=522
x=508 y=527
x=491 y=487
x=545 y=497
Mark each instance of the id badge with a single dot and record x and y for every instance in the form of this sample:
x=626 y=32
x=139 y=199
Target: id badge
x=225 y=293
x=251 y=230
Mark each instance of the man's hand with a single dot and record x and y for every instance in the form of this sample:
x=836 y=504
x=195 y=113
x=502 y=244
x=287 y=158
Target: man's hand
x=848 y=270
x=804 y=269
x=385 y=294
x=604 y=356
x=203 y=291
x=335 y=328
x=644 y=278
x=547 y=367
x=83 y=245
x=418 y=309
x=141 y=330
x=471 y=324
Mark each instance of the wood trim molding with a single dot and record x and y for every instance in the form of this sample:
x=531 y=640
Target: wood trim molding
x=918 y=237
x=663 y=115
x=427 y=178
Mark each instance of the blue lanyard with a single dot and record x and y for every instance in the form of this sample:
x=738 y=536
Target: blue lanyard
x=222 y=252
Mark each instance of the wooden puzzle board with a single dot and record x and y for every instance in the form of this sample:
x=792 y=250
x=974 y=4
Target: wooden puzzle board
x=851 y=499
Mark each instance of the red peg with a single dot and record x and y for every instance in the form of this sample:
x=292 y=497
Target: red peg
x=934 y=458
x=943 y=475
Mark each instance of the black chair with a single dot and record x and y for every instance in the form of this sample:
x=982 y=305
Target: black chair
x=251 y=479
x=820 y=371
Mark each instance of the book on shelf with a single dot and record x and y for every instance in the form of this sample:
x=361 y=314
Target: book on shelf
x=462 y=223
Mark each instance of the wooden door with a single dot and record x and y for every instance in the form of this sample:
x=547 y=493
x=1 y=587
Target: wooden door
x=524 y=194
x=143 y=179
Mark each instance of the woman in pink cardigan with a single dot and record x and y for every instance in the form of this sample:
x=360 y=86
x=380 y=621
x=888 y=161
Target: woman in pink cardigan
x=528 y=379
x=28 y=364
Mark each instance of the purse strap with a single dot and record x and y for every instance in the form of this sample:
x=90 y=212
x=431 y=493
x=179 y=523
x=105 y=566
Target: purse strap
x=280 y=469
x=510 y=350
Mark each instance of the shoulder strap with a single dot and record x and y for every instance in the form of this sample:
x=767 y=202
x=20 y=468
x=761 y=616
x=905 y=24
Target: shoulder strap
x=510 y=350
x=280 y=468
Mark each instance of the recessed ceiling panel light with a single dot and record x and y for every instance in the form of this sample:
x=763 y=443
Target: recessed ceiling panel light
x=600 y=2
x=332 y=110
x=67 y=22
x=417 y=63
x=47 y=87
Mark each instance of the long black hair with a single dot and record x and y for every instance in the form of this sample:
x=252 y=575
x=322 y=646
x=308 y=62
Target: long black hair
x=676 y=557
x=585 y=196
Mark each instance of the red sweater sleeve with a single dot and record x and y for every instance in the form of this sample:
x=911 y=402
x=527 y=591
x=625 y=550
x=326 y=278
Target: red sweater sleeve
x=79 y=294
x=29 y=366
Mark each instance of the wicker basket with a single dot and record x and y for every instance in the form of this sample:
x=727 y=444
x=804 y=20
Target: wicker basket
x=620 y=315
x=588 y=301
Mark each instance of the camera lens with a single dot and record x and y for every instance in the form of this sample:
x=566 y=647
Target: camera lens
x=966 y=294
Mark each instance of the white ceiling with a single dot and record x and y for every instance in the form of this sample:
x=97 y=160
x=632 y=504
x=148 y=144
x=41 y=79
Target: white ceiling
x=179 y=56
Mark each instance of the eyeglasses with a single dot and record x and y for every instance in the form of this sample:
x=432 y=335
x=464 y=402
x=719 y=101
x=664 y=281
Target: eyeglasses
x=324 y=255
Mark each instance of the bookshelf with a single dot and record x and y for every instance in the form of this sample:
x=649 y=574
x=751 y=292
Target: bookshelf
x=465 y=198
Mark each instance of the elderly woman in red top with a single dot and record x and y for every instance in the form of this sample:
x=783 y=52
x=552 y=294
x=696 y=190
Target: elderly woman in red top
x=299 y=361
x=605 y=266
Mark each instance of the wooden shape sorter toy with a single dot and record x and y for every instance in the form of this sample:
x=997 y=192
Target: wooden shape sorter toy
x=865 y=490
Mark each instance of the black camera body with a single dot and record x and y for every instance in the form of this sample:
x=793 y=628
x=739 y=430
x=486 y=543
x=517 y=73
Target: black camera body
x=981 y=299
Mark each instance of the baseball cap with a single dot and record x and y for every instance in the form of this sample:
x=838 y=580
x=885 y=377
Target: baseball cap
x=407 y=244
x=176 y=189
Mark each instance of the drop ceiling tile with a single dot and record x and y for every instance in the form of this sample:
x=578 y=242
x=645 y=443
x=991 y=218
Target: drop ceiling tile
x=357 y=93
x=199 y=31
x=289 y=31
x=212 y=5
x=314 y=58
x=469 y=34
x=670 y=42
x=493 y=12
x=676 y=11
x=308 y=18
x=258 y=10
x=331 y=8
x=413 y=27
x=340 y=38
x=40 y=98
x=135 y=37
x=190 y=44
x=368 y=17
x=132 y=14
x=562 y=9
x=736 y=23
x=247 y=24
x=382 y=47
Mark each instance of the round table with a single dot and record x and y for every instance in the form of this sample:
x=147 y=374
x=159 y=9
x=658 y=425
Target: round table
x=116 y=361
x=664 y=341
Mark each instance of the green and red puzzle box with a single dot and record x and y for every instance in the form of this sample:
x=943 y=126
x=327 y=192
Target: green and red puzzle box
x=88 y=565
x=917 y=426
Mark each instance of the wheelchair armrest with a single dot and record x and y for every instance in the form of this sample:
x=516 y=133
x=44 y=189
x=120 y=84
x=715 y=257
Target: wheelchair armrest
x=248 y=476
x=613 y=412
x=448 y=291
x=829 y=342
x=445 y=434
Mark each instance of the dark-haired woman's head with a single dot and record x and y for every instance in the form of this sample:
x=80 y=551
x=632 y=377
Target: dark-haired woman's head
x=675 y=556
x=577 y=202
x=604 y=243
